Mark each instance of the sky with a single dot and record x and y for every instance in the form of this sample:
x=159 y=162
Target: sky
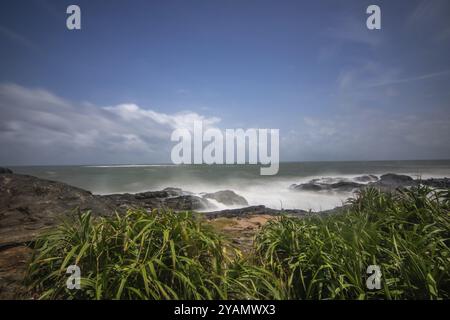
x=112 y=92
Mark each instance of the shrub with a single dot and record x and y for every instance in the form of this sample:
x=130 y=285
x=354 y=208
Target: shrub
x=137 y=256
x=406 y=234
x=166 y=255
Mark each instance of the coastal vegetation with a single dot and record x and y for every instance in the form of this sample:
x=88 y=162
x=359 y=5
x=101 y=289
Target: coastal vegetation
x=167 y=255
x=406 y=234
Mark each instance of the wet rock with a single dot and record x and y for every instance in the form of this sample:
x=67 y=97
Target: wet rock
x=5 y=170
x=309 y=186
x=173 y=192
x=366 y=178
x=227 y=197
x=169 y=198
x=396 y=178
x=341 y=186
x=392 y=181
x=187 y=202
x=439 y=183
x=345 y=186
x=151 y=195
x=386 y=182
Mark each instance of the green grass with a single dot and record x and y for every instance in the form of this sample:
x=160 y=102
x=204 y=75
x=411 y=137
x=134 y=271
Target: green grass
x=137 y=256
x=166 y=255
x=406 y=234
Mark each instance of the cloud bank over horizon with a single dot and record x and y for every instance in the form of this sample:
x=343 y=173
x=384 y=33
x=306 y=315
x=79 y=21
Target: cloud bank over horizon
x=40 y=128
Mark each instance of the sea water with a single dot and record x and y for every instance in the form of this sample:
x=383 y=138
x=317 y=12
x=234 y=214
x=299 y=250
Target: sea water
x=245 y=180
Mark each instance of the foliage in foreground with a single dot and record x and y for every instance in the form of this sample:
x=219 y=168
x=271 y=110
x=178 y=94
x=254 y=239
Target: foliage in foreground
x=137 y=256
x=165 y=255
x=406 y=234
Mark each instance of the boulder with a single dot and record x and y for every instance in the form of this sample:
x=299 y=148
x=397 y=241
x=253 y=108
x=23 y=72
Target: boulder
x=309 y=186
x=392 y=181
x=366 y=178
x=344 y=186
x=173 y=192
x=227 y=197
x=169 y=198
x=439 y=183
x=386 y=182
x=396 y=178
x=29 y=204
x=341 y=186
x=5 y=170
x=186 y=202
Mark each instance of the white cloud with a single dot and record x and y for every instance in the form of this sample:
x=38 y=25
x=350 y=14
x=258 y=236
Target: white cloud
x=182 y=120
x=369 y=135
x=39 y=127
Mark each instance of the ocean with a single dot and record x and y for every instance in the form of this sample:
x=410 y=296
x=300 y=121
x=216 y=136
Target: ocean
x=245 y=180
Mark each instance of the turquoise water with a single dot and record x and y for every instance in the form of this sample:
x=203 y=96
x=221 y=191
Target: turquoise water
x=272 y=191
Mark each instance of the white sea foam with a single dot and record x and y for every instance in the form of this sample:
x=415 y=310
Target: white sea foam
x=273 y=192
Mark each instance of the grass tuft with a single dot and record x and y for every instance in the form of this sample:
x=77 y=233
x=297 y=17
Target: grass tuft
x=406 y=234
x=166 y=255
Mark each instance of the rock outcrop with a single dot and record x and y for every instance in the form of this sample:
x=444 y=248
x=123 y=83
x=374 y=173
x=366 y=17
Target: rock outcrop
x=29 y=206
x=366 y=178
x=227 y=197
x=440 y=183
x=386 y=182
x=5 y=170
x=170 y=198
x=316 y=185
x=395 y=180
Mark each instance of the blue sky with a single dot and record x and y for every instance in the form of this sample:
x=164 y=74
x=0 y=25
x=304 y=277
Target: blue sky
x=336 y=90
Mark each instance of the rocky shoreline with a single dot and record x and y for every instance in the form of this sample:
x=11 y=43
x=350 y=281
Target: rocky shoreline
x=386 y=182
x=29 y=205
